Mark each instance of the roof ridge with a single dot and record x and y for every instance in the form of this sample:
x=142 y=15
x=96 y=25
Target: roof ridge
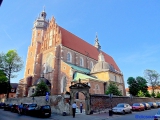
x=84 y=40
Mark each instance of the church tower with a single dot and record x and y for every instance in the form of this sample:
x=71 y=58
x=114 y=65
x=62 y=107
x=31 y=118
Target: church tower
x=33 y=68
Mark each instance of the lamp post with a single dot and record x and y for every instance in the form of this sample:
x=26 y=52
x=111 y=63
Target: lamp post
x=32 y=94
x=131 y=97
x=110 y=111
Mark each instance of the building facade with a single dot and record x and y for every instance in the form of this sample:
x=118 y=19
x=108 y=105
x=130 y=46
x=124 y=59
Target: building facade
x=62 y=58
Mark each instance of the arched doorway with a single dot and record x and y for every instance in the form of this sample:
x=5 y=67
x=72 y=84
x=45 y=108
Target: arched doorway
x=83 y=88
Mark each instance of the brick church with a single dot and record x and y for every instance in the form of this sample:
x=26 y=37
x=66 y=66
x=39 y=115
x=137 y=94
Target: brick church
x=60 y=57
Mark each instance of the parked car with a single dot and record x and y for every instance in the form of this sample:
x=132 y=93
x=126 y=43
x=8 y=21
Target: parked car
x=158 y=103
x=14 y=108
x=138 y=106
x=153 y=104
x=122 y=108
x=8 y=107
x=42 y=111
x=2 y=105
x=28 y=108
x=146 y=106
x=157 y=115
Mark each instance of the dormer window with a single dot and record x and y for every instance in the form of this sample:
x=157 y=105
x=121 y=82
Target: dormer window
x=69 y=57
x=81 y=62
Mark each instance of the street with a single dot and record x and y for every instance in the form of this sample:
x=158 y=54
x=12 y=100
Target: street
x=7 y=115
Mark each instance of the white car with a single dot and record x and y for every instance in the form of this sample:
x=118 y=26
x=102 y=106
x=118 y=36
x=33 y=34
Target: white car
x=122 y=108
x=157 y=116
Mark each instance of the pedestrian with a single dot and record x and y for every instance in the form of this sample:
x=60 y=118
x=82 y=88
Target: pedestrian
x=20 y=108
x=81 y=107
x=74 y=106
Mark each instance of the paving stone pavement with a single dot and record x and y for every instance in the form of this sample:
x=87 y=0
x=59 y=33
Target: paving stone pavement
x=78 y=116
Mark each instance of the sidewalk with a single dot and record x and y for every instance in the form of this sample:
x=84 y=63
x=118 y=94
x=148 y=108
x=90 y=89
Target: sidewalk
x=82 y=116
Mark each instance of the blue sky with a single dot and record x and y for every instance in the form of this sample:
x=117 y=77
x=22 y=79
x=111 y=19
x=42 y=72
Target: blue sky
x=128 y=30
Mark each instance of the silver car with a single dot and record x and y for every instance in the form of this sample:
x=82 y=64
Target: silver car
x=157 y=116
x=122 y=108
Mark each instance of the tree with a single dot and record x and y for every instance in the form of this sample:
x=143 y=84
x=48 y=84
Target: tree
x=9 y=64
x=113 y=88
x=133 y=86
x=158 y=95
x=41 y=89
x=136 y=85
x=3 y=77
x=142 y=84
x=152 y=78
x=140 y=94
x=147 y=94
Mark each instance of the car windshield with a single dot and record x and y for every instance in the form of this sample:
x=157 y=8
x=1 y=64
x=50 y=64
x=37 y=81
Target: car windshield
x=120 y=105
x=32 y=105
x=136 y=104
x=46 y=107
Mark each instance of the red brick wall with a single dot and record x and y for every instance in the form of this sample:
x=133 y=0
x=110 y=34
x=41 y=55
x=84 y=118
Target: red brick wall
x=103 y=101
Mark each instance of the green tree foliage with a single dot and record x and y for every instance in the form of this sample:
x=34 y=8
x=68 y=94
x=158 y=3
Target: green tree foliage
x=142 y=84
x=41 y=89
x=136 y=85
x=153 y=94
x=3 y=77
x=140 y=94
x=147 y=94
x=113 y=88
x=10 y=63
x=152 y=78
x=158 y=95
x=133 y=86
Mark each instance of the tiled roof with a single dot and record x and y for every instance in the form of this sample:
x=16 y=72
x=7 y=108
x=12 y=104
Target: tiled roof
x=14 y=85
x=78 y=76
x=80 y=69
x=75 y=43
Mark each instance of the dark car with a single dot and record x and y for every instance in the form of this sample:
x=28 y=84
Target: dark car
x=2 y=105
x=138 y=106
x=8 y=107
x=28 y=108
x=147 y=106
x=14 y=108
x=42 y=111
x=153 y=104
x=158 y=103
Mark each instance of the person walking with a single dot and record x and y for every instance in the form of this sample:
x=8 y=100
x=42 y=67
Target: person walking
x=81 y=107
x=74 y=106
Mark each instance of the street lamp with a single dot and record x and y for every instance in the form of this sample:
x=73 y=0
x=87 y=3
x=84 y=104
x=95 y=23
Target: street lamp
x=33 y=95
x=131 y=97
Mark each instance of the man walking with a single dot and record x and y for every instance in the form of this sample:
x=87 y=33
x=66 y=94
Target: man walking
x=74 y=106
x=81 y=107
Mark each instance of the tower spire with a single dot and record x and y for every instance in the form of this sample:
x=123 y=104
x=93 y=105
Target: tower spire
x=97 y=45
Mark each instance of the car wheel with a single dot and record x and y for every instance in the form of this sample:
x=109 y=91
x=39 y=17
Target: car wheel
x=130 y=111
x=123 y=112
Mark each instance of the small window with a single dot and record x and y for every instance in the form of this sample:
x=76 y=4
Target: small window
x=77 y=95
x=115 y=78
x=69 y=57
x=91 y=65
x=28 y=71
x=81 y=62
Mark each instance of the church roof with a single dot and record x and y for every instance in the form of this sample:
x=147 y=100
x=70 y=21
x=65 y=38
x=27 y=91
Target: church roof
x=78 y=76
x=80 y=69
x=75 y=43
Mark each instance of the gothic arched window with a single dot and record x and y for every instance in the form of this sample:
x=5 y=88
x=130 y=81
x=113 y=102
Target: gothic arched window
x=69 y=57
x=63 y=84
x=81 y=62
